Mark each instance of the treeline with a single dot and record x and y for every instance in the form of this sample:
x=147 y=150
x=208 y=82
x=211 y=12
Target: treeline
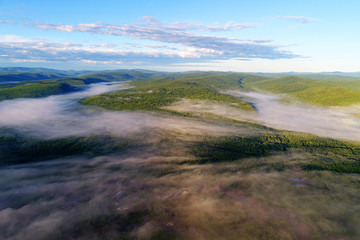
x=330 y=154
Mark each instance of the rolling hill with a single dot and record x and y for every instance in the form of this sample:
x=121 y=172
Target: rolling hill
x=156 y=93
x=321 y=93
x=35 y=87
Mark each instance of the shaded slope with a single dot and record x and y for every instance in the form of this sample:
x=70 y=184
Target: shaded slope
x=34 y=74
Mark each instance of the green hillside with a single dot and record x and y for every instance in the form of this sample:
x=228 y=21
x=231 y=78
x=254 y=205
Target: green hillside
x=176 y=176
x=156 y=89
x=322 y=93
x=33 y=74
x=35 y=90
x=121 y=75
x=355 y=85
x=329 y=77
x=41 y=88
x=153 y=94
x=329 y=96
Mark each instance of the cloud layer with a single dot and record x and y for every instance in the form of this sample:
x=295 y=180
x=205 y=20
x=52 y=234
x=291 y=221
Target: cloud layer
x=172 y=43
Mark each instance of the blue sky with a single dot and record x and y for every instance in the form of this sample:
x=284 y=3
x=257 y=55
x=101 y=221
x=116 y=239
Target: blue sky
x=171 y=35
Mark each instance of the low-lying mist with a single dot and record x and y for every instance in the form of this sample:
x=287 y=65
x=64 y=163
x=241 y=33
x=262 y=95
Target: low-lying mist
x=164 y=189
x=339 y=122
x=329 y=122
x=152 y=195
x=62 y=116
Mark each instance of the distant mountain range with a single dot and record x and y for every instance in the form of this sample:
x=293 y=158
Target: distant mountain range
x=16 y=74
x=10 y=74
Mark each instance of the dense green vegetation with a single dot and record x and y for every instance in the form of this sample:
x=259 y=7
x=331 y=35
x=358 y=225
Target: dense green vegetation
x=41 y=88
x=35 y=90
x=163 y=89
x=355 y=85
x=317 y=89
x=19 y=77
x=329 y=96
x=326 y=76
x=330 y=77
x=215 y=80
x=122 y=75
x=322 y=93
x=333 y=155
x=203 y=176
x=153 y=94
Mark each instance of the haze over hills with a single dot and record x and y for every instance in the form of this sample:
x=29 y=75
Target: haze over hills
x=332 y=90
x=139 y=154
x=178 y=120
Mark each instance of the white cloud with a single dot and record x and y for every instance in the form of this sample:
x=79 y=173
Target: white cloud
x=173 y=43
x=182 y=34
x=18 y=49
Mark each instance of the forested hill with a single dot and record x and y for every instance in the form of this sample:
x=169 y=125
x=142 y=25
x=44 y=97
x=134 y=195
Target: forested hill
x=34 y=85
x=321 y=93
x=156 y=93
x=165 y=87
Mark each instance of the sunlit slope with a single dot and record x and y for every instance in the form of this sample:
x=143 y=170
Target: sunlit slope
x=42 y=88
x=355 y=84
x=322 y=93
x=35 y=90
x=156 y=93
x=330 y=77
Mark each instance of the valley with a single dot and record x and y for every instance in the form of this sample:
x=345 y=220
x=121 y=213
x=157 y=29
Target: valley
x=137 y=154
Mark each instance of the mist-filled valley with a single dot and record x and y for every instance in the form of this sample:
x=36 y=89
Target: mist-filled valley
x=135 y=154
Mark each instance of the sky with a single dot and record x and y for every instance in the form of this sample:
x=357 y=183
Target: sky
x=171 y=35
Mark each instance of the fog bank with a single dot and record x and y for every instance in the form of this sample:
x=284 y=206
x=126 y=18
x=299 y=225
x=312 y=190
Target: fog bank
x=328 y=122
x=157 y=191
x=339 y=122
x=62 y=116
